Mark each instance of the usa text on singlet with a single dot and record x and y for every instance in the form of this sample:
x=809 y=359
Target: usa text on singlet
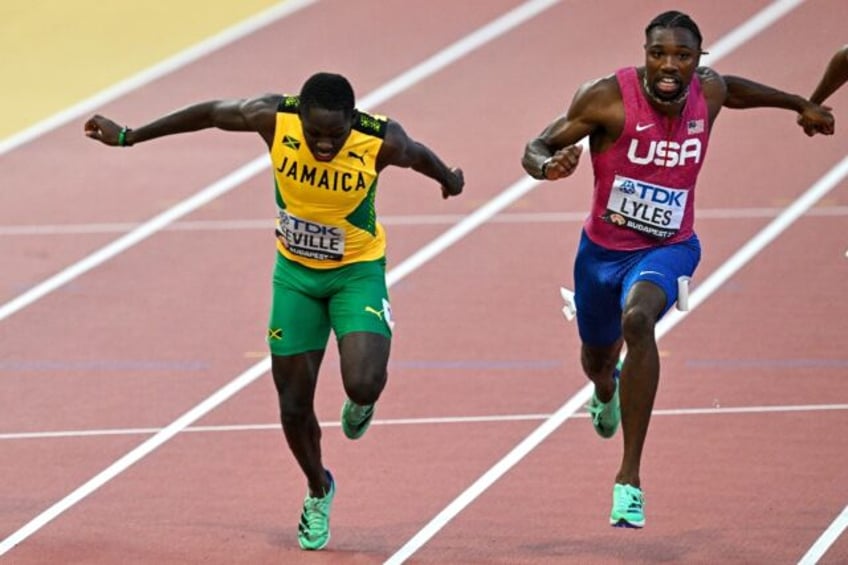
x=326 y=209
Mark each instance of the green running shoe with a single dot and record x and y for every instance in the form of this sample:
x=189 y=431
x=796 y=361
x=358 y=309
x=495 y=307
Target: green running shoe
x=313 y=532
x=356 y=418
x=628 y=507
x=606 y=416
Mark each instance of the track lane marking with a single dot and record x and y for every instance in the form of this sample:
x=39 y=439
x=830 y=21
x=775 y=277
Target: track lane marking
x=397 y=220
x=827 y=539
x=496 y=418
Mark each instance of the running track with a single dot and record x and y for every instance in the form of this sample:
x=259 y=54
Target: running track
x=745 y=462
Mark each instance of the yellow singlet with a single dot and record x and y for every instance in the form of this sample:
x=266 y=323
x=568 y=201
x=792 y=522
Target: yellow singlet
x=326 y=209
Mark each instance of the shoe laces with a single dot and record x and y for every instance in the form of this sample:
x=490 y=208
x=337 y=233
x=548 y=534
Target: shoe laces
x=633 y=497
x=595 y=408
x=315 y=510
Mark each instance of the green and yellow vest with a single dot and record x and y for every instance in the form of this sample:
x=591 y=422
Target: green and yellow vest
x=326 y=210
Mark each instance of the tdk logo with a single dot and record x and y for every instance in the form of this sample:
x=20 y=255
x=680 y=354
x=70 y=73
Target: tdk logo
x=665 y=153
x=659 y=195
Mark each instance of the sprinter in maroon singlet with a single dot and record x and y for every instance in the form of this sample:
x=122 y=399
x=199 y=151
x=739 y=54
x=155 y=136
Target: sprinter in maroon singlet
x=648 y=129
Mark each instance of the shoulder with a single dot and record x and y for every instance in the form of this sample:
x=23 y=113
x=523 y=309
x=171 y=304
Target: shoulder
x=714 y=90
x=711 y=81
x=598 y=102
x=596 y=97
x=262 y=104
x=371 y=124
x=289 y=103
x=603 y=89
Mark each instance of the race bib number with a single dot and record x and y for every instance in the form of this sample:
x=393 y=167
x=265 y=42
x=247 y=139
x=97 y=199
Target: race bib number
x=650 y=209
x=310 y=239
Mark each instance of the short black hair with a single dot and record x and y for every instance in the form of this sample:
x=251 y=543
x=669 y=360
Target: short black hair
x=673 y=19
x=328 y=91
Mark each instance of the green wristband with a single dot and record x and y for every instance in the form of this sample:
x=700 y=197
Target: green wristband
x=122 y=137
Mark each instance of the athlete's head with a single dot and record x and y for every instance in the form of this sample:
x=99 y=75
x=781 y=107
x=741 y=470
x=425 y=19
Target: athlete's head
x=327 y=113
x=672 y=53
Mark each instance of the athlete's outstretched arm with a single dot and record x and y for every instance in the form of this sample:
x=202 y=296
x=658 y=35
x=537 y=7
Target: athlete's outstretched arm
x=401 y=150
x=554 y=153
x=834 y=76
x=744 y=93
x=251 y=114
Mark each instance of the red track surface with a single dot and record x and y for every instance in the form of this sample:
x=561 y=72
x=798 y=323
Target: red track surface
x=140 y=340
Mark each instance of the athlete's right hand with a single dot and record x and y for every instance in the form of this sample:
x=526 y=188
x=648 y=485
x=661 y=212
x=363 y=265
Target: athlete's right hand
x=564 y=162
x=102 y=129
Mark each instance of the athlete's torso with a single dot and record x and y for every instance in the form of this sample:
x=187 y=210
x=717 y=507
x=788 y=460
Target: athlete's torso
x=645 y=182
x=326 y=210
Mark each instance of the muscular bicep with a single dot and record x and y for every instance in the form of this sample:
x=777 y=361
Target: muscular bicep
x=595 y=112
x=399 y=149
x=247 y=114
x=566 y=130
x=244 y=114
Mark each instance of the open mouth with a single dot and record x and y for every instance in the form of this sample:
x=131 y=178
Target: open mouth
x=667 y=86
x=323 y=155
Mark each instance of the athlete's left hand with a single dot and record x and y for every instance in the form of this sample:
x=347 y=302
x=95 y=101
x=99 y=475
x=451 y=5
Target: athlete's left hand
x=454 y=187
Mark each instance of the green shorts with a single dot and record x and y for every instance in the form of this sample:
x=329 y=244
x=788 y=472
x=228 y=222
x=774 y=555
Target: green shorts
x=307 y=303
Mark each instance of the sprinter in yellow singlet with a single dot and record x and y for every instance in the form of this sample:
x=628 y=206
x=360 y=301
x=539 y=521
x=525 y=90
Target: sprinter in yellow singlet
x=330 y=272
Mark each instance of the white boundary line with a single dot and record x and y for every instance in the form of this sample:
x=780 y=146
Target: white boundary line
x=827 y=539
x=74 y=434
x=407 y=79
x=394 y=220
x=442 y=59
x=181 y=59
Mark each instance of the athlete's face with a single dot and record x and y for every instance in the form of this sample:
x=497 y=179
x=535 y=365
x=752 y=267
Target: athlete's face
x=671 y=57
x=325 y=131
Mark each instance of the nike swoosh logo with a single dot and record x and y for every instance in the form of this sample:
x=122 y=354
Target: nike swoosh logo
x=643 y=127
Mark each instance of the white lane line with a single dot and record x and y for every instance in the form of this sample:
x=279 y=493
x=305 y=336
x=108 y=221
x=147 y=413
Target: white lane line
x=827 y=539
x=407 y=79
x=493 y=419
x=734 y=39
x=398 y=220
x=492 y=30
x=155 y=72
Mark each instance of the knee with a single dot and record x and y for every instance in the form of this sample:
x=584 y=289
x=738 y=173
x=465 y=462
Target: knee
x=365 y=386
x=293 y=413
x=637 y=325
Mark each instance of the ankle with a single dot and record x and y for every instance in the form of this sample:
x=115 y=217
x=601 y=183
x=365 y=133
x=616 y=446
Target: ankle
x=605 y=391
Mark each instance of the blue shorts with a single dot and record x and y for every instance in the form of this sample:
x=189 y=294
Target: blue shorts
x=603 y=277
